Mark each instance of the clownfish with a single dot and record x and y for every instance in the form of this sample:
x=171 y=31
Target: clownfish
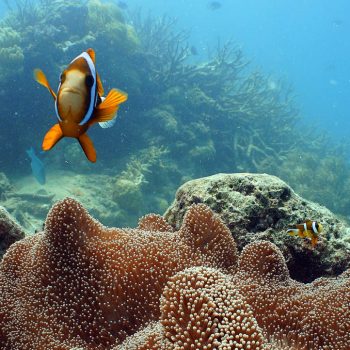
x=79 y=103
x=309 y=229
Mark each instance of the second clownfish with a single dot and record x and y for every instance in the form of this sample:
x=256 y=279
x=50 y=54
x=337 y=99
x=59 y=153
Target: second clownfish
x=79 y=103
x=309 y=229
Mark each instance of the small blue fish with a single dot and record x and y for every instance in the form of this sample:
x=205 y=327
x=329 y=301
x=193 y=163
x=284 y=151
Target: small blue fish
x=38 y=168
x=214 y=5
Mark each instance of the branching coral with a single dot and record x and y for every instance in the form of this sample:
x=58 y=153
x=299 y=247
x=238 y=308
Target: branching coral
x=80 y=284
x=220 y=106
x=107 y=23
x=164 y=49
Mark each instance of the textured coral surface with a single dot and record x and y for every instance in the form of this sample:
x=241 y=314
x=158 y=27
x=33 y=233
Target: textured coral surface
x=259 y=307
x=300 y=316
x=200 y=310
x=80 y=285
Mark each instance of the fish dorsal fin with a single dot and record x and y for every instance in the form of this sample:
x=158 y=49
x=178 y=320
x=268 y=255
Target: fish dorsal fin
x=107 y=109
x=40 y=77
x=92 y=55
x=100 y=89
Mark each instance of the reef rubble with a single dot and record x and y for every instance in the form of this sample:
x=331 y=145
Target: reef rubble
x=10 y=231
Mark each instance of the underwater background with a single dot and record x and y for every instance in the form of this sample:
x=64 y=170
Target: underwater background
x=214 y=86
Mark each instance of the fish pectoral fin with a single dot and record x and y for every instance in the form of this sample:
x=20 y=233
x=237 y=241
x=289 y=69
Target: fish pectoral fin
x=108 y=108
x=40 y=77
x=88 y=147
x=52 y=137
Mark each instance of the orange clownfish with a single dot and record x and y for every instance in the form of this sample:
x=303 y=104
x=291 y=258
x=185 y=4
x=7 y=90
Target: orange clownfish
x=79 y=103
x=309 y=229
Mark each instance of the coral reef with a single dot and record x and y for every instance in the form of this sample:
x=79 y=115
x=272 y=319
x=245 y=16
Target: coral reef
x=5 y=186
x=124 y=199
x=128 y=187
x=260 y=206
x=314 y=185
x=110 y=26
x=79 y=285
x=11 y=54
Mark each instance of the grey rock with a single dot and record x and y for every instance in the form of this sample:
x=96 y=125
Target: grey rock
x=10 y=231
x=262 y=207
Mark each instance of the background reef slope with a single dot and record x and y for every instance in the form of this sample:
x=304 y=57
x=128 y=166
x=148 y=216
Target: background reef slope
x=184 y=119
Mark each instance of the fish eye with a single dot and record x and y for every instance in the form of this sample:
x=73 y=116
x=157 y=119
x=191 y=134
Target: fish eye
x=89 y=80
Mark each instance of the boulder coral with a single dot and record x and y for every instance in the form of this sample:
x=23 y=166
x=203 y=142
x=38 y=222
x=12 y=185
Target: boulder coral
x=262 y=207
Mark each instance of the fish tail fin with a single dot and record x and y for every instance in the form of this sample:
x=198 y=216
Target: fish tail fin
x=88 y=147
x=293 y=231
x=108 y=108
x=52 y=137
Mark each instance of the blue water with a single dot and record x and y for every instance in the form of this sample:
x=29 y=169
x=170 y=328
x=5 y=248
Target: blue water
x=304 y=41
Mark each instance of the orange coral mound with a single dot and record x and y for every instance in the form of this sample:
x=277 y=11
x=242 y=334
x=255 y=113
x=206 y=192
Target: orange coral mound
x=200 y=310
x=259 y=307
x=79 y=284
x=292 y=314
